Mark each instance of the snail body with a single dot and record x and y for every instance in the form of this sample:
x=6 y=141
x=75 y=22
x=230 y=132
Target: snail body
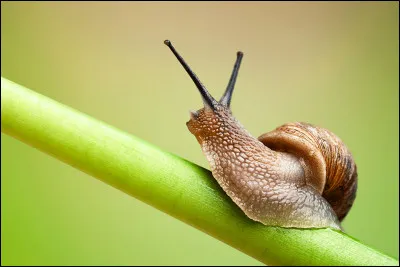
x=298 y=175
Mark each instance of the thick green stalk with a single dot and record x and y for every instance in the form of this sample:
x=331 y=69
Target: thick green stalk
x=168 y=183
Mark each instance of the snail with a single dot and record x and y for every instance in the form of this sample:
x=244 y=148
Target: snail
x=296 y=176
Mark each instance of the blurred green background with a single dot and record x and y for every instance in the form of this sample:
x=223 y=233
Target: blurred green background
x=331 y=64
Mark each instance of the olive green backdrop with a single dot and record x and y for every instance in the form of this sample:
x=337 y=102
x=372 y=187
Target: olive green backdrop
x=331 y=64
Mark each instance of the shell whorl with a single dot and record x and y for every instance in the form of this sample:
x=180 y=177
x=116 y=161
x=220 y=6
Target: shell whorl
x=328 y=164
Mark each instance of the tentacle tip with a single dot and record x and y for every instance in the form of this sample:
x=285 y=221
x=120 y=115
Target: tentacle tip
x=240 y=53
x=167 y=42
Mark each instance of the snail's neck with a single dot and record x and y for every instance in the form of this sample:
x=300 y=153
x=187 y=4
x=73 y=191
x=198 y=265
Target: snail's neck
x=230 y=137
x=245 y=167
x=234 y=154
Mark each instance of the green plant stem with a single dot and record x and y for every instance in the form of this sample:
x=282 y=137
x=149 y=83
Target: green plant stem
x=168 y=183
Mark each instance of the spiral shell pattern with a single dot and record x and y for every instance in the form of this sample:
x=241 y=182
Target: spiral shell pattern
x=327 y=157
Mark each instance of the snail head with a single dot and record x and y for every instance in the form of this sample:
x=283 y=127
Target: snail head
x=207 y=120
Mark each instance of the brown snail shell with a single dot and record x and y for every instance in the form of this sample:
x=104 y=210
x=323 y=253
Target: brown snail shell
x=328 y=163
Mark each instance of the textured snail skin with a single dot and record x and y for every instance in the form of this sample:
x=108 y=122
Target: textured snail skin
x=275 y=188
